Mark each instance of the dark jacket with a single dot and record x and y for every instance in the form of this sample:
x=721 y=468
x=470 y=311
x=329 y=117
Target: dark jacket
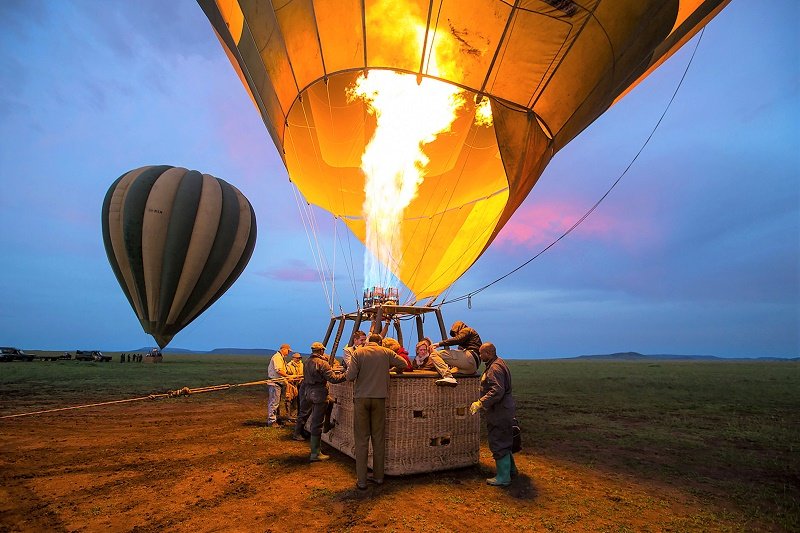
x=369 y=368
x=317 y=372
x=464 y=336
x=499 y=405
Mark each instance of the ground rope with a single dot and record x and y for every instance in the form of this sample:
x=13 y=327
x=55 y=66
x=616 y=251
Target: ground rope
x=185 y=391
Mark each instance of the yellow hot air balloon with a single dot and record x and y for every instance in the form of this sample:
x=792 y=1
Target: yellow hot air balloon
x=425 y=124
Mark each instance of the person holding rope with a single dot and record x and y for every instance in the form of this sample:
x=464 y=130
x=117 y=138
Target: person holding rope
x=277 y=389
x=498 y=404
x=317 y=374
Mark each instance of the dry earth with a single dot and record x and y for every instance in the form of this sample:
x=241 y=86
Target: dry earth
x=208 y=463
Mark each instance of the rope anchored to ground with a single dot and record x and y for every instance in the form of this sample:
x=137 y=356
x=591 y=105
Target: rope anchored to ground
x=184 y=391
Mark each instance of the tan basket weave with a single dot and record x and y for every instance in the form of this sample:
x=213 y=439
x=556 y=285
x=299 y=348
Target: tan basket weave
x=428 y=428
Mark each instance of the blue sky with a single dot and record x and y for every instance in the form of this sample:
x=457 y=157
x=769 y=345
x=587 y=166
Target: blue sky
x=697 y=250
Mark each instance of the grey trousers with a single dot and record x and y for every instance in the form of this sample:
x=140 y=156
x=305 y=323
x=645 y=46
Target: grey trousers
x=369 y=423
x=463 y=360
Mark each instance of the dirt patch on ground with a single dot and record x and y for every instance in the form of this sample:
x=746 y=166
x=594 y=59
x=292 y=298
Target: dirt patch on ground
x=208 y=463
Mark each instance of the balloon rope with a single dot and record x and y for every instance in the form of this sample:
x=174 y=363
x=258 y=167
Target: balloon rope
x=469 y=295
x=185 y=391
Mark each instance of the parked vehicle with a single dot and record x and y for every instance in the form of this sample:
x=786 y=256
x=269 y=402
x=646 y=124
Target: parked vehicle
x=8 y=353
x=93 y=355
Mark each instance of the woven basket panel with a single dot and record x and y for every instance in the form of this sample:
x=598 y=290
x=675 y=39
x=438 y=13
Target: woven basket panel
x=428 y=428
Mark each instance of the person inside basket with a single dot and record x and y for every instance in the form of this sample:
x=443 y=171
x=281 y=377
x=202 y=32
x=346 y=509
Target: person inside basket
x=395 y=346
x=468 y=341
x=499 y=407
x=359 y=340
x=427 y=359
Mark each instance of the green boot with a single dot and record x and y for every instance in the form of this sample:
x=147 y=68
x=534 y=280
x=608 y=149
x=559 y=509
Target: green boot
x=316 y=454
x=514 y=471
x=503 y=477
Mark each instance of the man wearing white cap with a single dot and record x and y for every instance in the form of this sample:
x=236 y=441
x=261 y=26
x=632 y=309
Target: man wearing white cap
x=276 y=371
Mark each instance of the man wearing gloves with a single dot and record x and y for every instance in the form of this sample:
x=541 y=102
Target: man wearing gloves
x=317 y=372
x=499 y=407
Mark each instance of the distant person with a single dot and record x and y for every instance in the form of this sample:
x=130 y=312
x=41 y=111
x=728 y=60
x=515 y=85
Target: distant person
x=397 y=348
x=122 y=358
x=369 y=368
x=129 y=358
x=468 y=341
x=276 y=389
x=318 y=373
x=427 y=359
x=359 y=339
x=294 y=368
x=498 y=404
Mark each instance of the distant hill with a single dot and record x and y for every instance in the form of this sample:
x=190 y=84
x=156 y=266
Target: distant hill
x=243 y=351
x=215 y=351
x=636 y=356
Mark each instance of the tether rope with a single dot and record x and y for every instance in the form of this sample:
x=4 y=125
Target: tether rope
x=469 y=295
x=185 y=391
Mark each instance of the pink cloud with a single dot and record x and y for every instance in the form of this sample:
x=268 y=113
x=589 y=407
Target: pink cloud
x=293 y=271
x=537 y=225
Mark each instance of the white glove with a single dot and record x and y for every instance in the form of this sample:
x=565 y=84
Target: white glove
x=475 y=407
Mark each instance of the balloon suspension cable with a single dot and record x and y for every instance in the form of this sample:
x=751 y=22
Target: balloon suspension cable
x=184 y=391
x=469 y=295
x=308 y=226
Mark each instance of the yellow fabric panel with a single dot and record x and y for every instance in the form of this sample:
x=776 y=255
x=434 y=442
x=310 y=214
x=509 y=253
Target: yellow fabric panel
x=203 y=233
x=233 y=17
x=157 y=213
x=686 y=9
x=477 y=26
x=339 y=124
x=341 y=33
x=521 y=65
x=442 y=247
x=269 y=43
x=299 y=30
x=394 y=37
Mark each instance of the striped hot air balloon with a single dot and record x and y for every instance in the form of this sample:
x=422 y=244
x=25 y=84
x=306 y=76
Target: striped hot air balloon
x=176 y=240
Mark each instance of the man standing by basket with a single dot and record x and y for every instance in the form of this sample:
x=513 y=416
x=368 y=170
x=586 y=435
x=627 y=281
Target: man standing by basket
x=369 y=368
x=277 y=372
x=498 y=404
x=317 y=374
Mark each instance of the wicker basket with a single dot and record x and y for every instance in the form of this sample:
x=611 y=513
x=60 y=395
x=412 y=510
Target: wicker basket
x=428 y=428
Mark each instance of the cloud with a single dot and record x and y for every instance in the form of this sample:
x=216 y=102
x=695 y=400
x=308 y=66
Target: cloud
x=292 y=270
x=536 y=225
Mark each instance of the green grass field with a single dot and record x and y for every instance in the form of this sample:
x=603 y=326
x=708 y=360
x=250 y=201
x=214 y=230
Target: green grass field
x=727 y=431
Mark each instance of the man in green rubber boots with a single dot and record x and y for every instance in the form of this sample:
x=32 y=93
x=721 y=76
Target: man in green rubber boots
x=499 y=406
x=317 y=372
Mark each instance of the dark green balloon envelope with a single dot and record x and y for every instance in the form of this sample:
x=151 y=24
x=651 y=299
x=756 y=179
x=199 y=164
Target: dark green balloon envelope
x=176 y=240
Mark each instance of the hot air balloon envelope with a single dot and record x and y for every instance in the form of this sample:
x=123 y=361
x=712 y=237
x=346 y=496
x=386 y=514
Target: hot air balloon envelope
x=176 y=240
x=524 y=78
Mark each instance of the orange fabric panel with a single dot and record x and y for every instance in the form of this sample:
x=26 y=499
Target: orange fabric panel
x=233 y=17
x=299 y=30
x=341 y=33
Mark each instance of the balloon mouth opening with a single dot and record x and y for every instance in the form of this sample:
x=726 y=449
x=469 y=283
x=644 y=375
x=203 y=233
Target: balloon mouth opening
x=366 y=142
